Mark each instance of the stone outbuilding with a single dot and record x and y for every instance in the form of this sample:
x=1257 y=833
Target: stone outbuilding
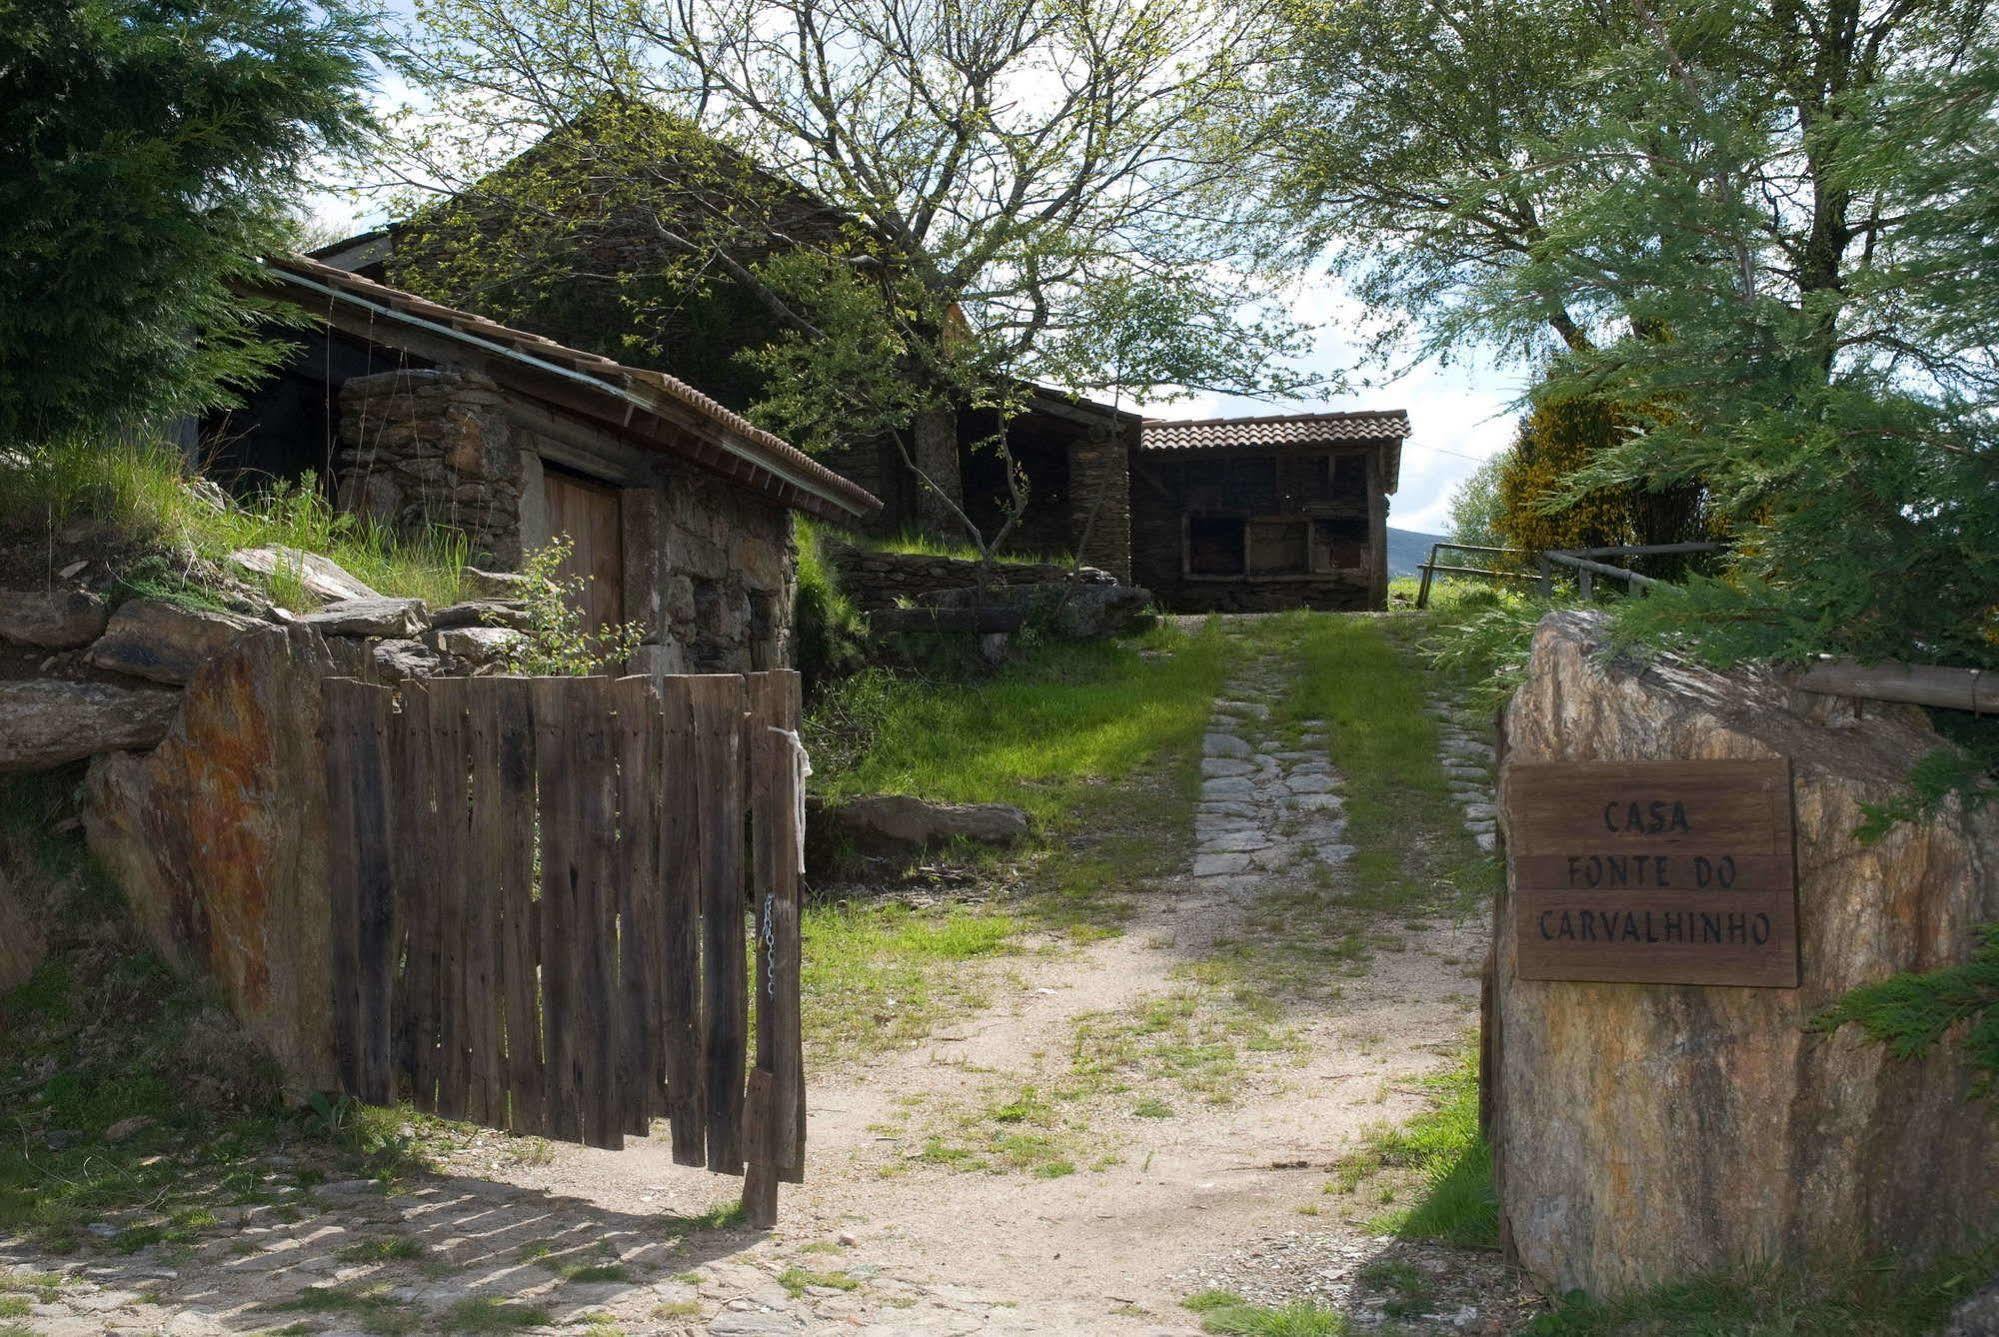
x=422 y=415
x=1256 y=514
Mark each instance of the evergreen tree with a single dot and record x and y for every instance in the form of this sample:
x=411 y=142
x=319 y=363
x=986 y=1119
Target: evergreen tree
x=149 y=153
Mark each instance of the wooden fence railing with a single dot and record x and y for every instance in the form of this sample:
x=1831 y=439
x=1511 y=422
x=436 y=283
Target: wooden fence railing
x=1583 y=561
x=541 y=918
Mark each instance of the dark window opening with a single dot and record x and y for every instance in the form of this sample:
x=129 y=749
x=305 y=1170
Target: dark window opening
x=1252 y=484
x=1349 y=476
x=1279 y=548
x=1215 y=545
x=1341 y=543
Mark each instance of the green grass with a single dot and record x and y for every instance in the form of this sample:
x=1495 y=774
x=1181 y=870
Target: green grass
x=1411 y=850
x=914 y=544
x=481 y=1314
x=370 y=1307
x=796 y=1279
x=877 y=976
x=1879 y=1299
x=1230 y=1314
x=382 y=1249
x=136 y=495
x=1442 y=1160
x=1039 y=733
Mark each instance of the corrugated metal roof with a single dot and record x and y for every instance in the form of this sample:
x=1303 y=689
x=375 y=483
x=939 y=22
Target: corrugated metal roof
x=731 y=441
x=1291 y=429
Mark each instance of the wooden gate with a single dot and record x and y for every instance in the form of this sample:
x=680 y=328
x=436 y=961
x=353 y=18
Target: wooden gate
x=546 y=894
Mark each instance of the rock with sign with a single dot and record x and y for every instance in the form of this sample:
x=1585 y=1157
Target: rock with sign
x=1687 y=895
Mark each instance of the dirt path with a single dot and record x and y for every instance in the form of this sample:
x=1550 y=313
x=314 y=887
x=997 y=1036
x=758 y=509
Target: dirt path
x=1119 y=1128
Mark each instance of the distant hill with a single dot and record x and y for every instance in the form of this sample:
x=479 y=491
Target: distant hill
x=1407 y=548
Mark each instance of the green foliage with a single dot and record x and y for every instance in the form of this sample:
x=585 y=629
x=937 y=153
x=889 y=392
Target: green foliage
x=149 y=154
x=1475 y=509
x=1481 y=639
x=829 y=635
x=1911 y=1013
x=556 y=641
x=1539 y=505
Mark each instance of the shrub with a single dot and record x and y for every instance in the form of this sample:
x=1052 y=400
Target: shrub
x=830 y=634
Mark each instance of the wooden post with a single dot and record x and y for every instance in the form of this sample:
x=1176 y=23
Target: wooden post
x=773 y=1136
x=362 y=886
x=1423 y=591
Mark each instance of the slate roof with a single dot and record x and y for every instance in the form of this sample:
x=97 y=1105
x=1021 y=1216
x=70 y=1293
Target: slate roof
x=647 y=407
x=1383 y=427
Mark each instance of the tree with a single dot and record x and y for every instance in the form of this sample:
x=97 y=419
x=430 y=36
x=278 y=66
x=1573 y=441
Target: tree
x=1769 y=228
x=149 y=153
x=927 y=199
x=1400 y=128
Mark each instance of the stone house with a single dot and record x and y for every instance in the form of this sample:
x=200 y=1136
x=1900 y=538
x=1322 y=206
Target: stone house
x=419 y=414
x=1255 y=514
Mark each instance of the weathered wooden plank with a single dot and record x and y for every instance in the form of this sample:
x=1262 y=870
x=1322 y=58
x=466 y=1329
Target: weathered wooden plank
x=717 y=708
x=519 y=964
x=681 y=1025
x=760 y=1133
x=593 y=931
x=640 y=903
x=362 y=886
x=558 y=786
x=449 y=873
x=416 y=895
x=485 y=1099
x=774 y=795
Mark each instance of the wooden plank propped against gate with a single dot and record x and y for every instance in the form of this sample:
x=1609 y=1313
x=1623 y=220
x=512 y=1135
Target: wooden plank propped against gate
x=593 y=931
x=486 y=846
x=510 y=702
x=361 y=885
x=416 y=895
x=447 y=882
x=556 y=781
x=717 y=703
x=641 y=902
x=681 y=1024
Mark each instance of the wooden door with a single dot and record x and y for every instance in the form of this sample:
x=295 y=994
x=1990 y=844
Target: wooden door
x=587 y=512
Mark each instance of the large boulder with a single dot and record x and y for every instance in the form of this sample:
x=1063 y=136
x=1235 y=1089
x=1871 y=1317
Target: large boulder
x=1643 y=1132
x=397 y=618
x=322 y=578
x=899 y=824
x=219 y=839
x=165 y=641
x=60 y=619
x=45 y=723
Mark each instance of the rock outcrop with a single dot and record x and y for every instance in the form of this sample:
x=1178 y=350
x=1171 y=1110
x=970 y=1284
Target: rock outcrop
x=1643 y=1132
x=218 y=837
x=899 y=824
x=21 y=943
x=57 y=619
x=320 y=577
x=48 y=722
x=165 y=642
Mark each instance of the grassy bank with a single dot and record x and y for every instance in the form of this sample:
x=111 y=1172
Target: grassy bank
x=129 y=505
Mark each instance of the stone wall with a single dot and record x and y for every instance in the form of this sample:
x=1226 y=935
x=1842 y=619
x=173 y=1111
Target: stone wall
x=1646 y=1132
x=1100 y=484
x=724 y=572
x=422 y=448
x=879 y=579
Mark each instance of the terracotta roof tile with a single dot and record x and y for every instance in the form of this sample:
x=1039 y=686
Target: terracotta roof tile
x=1292 y=429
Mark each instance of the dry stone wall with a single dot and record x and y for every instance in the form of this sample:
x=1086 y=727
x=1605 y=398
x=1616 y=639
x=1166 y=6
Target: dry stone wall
x=1643 y=1132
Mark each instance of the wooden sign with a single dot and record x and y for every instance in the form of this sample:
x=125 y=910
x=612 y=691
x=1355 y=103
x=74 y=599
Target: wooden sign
x=1661 y=872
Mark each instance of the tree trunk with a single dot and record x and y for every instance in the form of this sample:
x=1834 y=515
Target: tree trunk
x=935 y=450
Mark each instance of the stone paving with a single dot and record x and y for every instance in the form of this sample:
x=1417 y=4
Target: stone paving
x=1468 y=763
x=1268 y=803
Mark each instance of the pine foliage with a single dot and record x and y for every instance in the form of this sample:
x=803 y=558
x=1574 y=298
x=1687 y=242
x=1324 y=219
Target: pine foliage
x=1912 y=1013
x=150 y=151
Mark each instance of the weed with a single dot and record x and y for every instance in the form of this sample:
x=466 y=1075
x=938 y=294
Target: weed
x=382 y=1249
x=1451 y=1165
x=482 y=1314
x=1228 y=1313
x=678 y=1309
x=797 y=1279
x=1152 y=1107
x=371 y=1307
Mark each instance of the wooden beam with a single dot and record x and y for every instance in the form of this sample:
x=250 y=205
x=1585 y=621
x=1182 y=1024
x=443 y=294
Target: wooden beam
x=1913 y=684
